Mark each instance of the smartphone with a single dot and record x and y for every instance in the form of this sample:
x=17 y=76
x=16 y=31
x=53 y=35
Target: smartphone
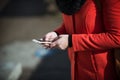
x=40 y=42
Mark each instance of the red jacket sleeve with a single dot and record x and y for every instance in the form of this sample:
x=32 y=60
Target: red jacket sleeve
x=61 y=29
x=109 y=39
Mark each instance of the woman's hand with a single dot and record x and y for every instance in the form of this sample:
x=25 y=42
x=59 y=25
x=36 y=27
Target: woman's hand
x=49 y=37
x=61 y=43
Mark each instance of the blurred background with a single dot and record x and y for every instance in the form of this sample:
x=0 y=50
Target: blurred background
x=20 y=58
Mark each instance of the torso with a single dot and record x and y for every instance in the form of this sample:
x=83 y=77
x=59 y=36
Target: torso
x=88 y=65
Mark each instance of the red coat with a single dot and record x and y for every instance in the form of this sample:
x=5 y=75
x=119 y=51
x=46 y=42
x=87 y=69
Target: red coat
x=93 y=37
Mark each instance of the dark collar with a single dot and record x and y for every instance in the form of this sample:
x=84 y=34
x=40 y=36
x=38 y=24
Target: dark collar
x=69 y=7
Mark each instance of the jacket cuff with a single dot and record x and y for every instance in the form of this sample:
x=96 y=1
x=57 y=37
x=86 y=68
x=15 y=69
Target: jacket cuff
x=57 y=33
x=70 y=41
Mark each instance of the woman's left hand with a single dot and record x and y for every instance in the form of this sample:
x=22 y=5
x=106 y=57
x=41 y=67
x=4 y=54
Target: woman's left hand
x=61 y=43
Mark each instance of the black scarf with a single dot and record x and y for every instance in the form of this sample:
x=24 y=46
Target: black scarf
x=69 y=7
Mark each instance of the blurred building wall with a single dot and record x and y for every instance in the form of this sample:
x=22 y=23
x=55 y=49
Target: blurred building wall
x=3 y=3
x=24 y=8
x=26 y=19
x=27 y=7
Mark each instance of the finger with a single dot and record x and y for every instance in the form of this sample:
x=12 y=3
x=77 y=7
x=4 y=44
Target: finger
x=55 y=39
x=61 y=47
x=46 y=46
x=51 y=39
x=54 y=44
x=42 y=38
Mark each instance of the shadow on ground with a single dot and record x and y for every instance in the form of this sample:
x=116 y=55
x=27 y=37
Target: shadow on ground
x=54 y=66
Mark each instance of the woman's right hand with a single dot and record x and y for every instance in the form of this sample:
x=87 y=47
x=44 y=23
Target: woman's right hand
x=49 y=37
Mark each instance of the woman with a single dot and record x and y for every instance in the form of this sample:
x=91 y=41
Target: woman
x=89 y=34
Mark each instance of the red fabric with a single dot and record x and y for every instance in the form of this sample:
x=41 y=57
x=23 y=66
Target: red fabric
x=93 y=37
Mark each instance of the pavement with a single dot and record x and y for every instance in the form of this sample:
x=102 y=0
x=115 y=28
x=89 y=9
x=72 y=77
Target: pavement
x=37 y=63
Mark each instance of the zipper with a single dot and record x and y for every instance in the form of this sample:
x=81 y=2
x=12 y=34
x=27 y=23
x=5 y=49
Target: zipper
x=75 y=75
x=73 y=19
